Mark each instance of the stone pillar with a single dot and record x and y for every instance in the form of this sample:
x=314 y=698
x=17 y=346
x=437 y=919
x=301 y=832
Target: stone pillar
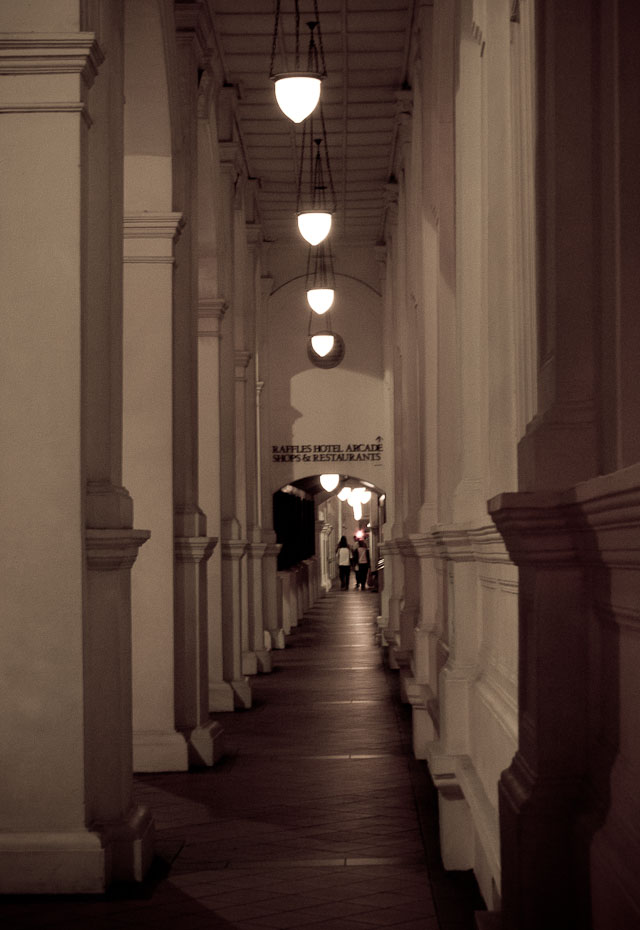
x=560 y=446
x=459 y=593
x=148 y=468
x=422 y=691
x=210 y=315
x=242 y=359
x=68 y=823
x=272 y=600
x=543 y=789
x=233 y=550
x=191 y=654
x=258 y=644
x=192 y=544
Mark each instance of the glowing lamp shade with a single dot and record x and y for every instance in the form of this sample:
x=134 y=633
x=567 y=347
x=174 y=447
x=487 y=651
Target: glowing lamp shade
x=322 y=343
x=365 y=496
x=297 y=94
x=329 y=482
x=320 y=299
x=314 y=225
x=344 y=494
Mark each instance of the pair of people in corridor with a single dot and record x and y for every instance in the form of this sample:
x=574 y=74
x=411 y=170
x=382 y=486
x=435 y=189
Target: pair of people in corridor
x=358 y=558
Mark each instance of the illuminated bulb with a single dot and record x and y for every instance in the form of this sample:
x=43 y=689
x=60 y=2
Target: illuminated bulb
x=365 y=496
x=329 y=482
x=344 y=494
x=320 y=299
x=297 y=94
x=314 y=225
x=322 y=343
x=357 y=511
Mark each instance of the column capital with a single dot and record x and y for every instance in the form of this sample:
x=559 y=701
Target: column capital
x=211 y=311
x=113 y=549
x=233 y=549
x=51 y=53
x=194 y=548
x=242 y=359
x=150 y=237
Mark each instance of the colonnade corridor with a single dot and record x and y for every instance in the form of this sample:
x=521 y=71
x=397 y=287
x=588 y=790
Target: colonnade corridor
x=318 y=815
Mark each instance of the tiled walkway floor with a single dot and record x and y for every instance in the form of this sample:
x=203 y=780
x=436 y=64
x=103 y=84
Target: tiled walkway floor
x=318 y=817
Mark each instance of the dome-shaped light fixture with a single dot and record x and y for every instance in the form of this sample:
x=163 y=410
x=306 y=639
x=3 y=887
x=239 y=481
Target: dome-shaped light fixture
x=329 y=482
x=320 y=299
x=320 y=283
x=365 y=496
x=314 y=225
x=297 y=94
x=322 y=343
x=298 y=90
x=315 y=202
x=344 y=494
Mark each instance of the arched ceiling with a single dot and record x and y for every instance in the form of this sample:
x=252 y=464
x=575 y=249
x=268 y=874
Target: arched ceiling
x=366 y=47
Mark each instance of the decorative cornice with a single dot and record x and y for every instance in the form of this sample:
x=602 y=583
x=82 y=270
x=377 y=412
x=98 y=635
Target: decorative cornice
x=51 y=53
x=242 y=359
x=113 y=549
x=233 y=549
x=211 y=311
x=596 y=522
x=453 y=543
x=48 y=107
x=194 y=548
x=153 y=225
x=256 y=550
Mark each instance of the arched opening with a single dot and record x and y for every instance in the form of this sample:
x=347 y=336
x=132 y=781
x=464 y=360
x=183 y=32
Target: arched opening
x=309 y=522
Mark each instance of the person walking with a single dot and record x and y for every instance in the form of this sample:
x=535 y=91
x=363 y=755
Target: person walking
x=344 y=562
x=363 y=562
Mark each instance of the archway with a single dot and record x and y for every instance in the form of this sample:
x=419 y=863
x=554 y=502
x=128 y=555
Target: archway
x=309 y=521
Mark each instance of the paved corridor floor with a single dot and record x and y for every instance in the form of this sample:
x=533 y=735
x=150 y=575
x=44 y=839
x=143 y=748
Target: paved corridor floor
x=318 y=816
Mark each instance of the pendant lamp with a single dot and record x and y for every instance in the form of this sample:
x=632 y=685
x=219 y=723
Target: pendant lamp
x=320 y=283
x=329 y=482
x=316 y=195
x=298 y=90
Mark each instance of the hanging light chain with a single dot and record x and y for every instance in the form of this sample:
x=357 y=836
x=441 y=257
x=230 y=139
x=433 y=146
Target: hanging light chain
x=275 y=39
x=323 y=68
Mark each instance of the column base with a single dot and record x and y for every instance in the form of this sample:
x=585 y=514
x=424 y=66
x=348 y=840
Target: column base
x=423 y=729
x=249 y=663
x=131 y=844
x=82 y=862
x=277 y=638
x=159 y=751
x=221 y=697
x=242 y=696
x=263 y=657
x=53 y=863
x=205 y=744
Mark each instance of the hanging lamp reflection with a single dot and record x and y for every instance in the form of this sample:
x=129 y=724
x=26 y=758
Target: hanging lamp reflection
x=322 y=343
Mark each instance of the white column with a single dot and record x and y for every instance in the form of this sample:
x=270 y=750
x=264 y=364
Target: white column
x=257 y=642
x=68 y=823
x=210 y=315
x=272 y=600
x=148 y=471
x=233 y=550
